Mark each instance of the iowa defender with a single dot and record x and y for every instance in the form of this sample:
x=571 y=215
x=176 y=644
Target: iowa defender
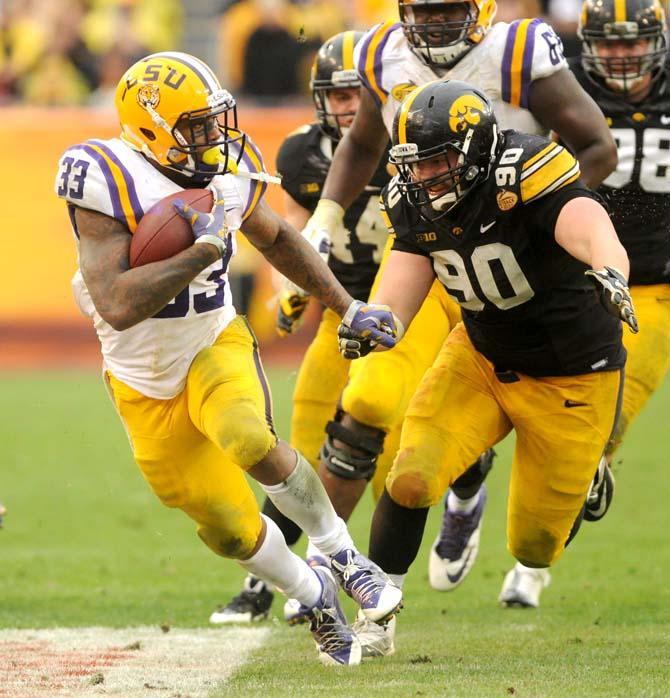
x=183 y=370
x=521 y=67
x=503 y=221
x=303 y=162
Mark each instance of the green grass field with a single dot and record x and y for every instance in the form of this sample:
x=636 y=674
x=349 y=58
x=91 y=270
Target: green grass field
x=85 y=543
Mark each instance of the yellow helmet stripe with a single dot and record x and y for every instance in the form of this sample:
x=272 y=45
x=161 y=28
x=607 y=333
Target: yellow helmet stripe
x=620 y=10
x=122 y=186
x=404 y=110
x=348 y=51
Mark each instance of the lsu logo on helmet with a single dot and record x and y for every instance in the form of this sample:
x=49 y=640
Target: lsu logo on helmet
x=466 y=111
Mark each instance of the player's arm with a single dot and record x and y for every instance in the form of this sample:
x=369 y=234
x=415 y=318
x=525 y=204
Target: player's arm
x=559 y=103
x=125 y=296
x=293 y=301
x=585 y=231
x=357 y=155
x=297 y=260
x=406 y=280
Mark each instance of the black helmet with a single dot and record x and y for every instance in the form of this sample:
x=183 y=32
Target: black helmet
x=443 y=44
x=622 y=20
x=436 y=119
x=333 y=68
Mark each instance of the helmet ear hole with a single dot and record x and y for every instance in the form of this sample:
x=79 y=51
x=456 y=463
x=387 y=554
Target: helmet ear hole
x=148 y=134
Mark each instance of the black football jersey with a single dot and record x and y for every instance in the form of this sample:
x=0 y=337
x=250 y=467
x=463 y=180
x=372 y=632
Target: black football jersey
x=526 y=303
x=638 y=191
x=303 y=162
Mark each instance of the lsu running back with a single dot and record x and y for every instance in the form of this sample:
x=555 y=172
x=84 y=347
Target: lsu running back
x=117 y=178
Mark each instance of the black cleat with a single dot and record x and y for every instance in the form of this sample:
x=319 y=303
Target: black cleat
x=252 y=604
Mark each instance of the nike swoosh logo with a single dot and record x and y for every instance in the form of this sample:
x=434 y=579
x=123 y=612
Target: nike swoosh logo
x=665 y=120
x=575 y=403
x=484 y=228
x=453 y=578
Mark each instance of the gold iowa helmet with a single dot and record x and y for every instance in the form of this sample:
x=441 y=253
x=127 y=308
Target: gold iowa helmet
x=173 y=109
x=443 y=44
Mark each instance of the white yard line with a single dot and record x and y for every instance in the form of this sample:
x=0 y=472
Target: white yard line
x=142 y=661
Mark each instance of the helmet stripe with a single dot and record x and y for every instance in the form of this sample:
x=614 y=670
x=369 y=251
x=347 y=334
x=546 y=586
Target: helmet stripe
x=348 y=51
x=404 y=110
x=620 y=10
x=206 y=76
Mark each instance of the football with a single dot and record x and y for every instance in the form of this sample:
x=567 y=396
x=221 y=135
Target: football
x=162 y=232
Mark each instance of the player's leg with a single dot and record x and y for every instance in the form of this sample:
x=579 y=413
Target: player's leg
x=452 y=417
x=562 y=426
x=321 y=378
x=229 y=401
x=375 y=400
x=647 y=363
x=186 y=470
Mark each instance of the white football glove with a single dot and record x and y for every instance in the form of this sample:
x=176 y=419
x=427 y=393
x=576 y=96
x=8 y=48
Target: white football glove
x=326 y=219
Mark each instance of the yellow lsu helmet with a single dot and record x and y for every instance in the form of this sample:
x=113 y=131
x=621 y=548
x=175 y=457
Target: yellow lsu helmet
x=438 y=39
x=173 y=109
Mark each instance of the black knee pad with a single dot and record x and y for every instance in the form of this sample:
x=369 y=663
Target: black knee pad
x=342 y=462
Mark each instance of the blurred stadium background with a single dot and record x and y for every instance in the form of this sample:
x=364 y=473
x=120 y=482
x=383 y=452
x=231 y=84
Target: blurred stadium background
x=87 y=544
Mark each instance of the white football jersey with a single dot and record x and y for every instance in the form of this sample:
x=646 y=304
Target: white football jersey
x=154 y=355
x=504 y=64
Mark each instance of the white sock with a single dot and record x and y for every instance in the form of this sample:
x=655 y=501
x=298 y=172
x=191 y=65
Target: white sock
x=303 y=499
x=398 y=579
x=461 y=506
x=312 y=550
x=275 y=563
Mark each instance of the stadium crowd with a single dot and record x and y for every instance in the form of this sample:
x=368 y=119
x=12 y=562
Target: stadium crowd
x=72 y=52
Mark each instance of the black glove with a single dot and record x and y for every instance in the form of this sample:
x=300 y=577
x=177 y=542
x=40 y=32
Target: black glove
x=612 y=286
x=352 y=345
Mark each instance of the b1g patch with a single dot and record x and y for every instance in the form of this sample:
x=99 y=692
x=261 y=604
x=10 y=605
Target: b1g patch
x=310 y=188
x=400 y=91
x=506 y=200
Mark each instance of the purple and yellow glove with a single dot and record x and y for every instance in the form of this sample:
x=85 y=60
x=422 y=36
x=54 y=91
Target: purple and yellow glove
x=364 y=326
x=612 y=286
x=207 y=227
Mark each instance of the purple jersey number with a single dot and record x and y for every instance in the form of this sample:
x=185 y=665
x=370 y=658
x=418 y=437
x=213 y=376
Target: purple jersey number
x=72 y=178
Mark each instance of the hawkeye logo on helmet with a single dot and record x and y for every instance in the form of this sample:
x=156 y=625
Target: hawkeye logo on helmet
x=148 y=96
x=466 y=111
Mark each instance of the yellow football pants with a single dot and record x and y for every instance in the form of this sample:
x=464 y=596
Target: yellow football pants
x=648 y=354
x=194 y=448
x=461 y=409
x=321 y=379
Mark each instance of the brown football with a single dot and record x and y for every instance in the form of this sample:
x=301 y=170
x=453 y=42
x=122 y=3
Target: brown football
x=162 y=232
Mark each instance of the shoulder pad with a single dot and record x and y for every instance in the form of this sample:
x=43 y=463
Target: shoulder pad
x=92 y=175
x=291 y=152
x=532 y=51
x=368 y=58
x=542 y=166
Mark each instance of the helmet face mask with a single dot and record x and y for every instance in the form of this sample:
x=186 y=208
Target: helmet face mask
x=441 y=32
x=173 y=110
x=445 y=138
x=623 y=47
x=333 y=71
